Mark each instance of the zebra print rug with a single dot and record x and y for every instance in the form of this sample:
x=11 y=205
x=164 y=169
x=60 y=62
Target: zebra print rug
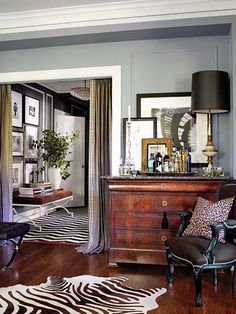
x=60 y=227
x=82 y=294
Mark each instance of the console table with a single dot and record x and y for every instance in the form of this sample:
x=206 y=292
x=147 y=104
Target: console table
x=143 y=213
x=58 y=199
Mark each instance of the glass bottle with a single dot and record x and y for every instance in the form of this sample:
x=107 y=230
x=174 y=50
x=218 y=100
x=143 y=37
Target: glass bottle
x=150 y=162
x=184 y=155
x=189 y=159
x=158 y=162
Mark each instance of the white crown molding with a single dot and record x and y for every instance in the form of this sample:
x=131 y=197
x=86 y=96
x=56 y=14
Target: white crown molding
x=113 y=13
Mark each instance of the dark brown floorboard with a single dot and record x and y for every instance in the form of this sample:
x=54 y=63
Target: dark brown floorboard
x=61 y=260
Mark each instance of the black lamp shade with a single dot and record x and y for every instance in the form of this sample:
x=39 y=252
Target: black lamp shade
x=210 y=92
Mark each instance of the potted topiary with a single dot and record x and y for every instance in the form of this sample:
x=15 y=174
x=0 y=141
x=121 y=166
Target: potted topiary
x=54 y=150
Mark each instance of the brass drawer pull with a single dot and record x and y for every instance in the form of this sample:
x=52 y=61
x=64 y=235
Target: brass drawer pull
x=163 y=238
x=163 y=185
x=164 y=203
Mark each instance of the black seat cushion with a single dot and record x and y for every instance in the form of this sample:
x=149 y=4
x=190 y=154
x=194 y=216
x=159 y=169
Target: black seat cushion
x=10 y=230
x=191 y=250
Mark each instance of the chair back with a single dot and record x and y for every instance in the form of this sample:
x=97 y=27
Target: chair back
x=228 y=189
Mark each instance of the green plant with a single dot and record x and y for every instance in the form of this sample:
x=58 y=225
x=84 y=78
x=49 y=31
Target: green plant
x=56 y=149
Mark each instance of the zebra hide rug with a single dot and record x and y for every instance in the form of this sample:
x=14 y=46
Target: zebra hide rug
x=82 y=294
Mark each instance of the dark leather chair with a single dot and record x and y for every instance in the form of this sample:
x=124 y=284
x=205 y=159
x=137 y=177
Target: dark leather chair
x=204 y=254
x=13 y=233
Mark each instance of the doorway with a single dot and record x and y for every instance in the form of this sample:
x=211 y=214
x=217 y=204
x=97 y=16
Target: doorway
x=80 y=73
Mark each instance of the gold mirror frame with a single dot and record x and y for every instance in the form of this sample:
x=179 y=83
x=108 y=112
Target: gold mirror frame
x=167 y=141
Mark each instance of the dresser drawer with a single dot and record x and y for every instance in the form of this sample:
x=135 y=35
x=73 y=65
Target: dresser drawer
x=142 y=239
x=152 y=185
x=147 y=220
x=149 y=202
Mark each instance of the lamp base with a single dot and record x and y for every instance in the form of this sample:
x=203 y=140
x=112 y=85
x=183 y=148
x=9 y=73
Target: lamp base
x=210 y=151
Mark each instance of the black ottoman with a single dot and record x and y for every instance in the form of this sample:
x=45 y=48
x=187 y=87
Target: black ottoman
x=13 y=232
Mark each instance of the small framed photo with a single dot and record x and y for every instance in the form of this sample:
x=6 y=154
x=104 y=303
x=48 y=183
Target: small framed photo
x=31 y=110
x=30 y=175
x=31 y=136
x=17 y=174
x=16 y=99
x=17 y=144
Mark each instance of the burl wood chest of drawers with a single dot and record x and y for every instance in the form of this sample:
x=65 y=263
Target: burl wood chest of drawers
x=143 y=213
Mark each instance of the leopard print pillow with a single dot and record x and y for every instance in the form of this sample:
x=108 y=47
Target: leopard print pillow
x=207 y=213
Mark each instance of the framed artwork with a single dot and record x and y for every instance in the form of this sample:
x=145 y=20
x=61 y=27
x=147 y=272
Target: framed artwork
x=17 y=174
x=30 y=175
x=150 y=146
x=17 y=144
x=31 y=110
x=31 y=135
x=140 y=128
x=175 y=120
x=16 y=99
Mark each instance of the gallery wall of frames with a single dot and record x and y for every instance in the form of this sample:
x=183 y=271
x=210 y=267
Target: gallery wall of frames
x=31 y=110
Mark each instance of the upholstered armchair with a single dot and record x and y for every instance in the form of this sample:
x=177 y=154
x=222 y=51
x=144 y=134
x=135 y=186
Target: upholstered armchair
x=212 y=246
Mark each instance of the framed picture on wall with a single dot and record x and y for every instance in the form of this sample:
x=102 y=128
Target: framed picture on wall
x=17 y=174
x=30 y=175
x=31 y=110
x=140 y=128
x=17 y=144
x=31 y=136
x=16 y=109
x=175 y=120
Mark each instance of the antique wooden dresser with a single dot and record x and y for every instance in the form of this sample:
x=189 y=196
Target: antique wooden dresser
x=143 y=213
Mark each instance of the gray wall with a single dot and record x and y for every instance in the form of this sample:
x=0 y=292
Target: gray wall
x=147 y=66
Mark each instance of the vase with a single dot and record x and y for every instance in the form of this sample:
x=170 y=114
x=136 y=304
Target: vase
x=54 y=177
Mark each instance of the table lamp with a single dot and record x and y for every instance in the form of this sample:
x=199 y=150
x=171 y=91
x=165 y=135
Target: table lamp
x=210 y=94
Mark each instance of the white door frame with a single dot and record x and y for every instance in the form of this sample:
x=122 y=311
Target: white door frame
x=78 y=73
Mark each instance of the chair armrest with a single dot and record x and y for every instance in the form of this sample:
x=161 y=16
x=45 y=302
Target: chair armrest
x=228 y=224
x=210 y=251
x=184 y=220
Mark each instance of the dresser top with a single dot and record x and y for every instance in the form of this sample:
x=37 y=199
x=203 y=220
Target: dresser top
x=161 y=177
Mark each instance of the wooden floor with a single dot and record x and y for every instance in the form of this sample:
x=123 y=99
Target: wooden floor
x=45 y=260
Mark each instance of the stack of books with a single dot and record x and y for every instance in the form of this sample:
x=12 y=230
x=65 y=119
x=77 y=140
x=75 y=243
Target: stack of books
x=46 y=187
x=40 y=188
x=29 y=191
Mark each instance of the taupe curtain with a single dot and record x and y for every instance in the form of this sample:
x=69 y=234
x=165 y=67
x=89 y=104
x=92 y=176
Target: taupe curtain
x=99 y=161
x=5 y=153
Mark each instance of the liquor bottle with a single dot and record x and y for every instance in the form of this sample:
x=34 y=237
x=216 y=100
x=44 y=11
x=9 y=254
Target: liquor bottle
x=172 y=158
x=166 y=156
x=150 y=162
x=189 y=158
x=178 y=162
x=184 y=155
x=158 y=162
x=166 y=161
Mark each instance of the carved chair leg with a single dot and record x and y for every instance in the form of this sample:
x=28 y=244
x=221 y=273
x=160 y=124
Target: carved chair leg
x=215 y=276
x=234 y=282
x=198 y=285
x=169 y=257
x=16 y=249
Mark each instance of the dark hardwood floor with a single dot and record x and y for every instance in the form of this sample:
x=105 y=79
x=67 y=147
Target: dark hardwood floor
x=44 y=260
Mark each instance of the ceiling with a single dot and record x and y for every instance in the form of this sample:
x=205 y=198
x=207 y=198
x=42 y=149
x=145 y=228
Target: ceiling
x=28 y=24
x=62 y=87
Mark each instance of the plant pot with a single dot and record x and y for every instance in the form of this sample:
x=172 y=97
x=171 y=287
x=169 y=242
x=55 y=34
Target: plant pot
x=54 y=177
